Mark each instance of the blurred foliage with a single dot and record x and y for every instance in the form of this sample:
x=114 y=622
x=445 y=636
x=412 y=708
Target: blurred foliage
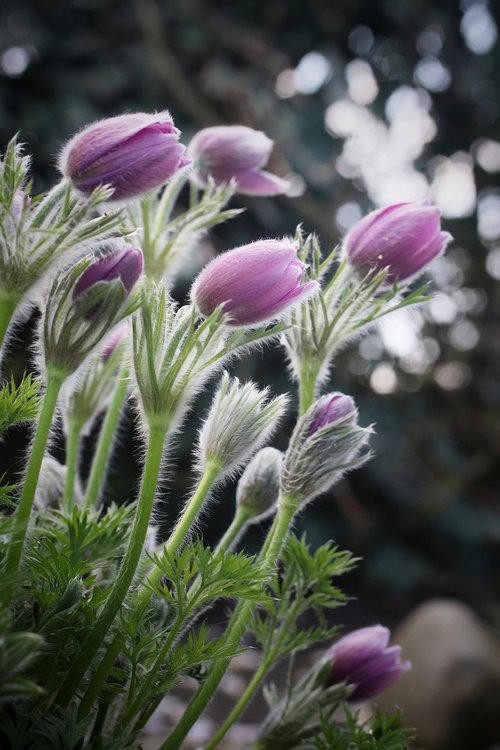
x=368 y=103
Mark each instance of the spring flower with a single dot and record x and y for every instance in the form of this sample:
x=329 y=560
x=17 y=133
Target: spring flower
x=124 y=264
x=259 y=485
x=132 y=153
x=326 y=442
x=234 y=152
x=254 y=283
x=364 y=661
x=403 y=237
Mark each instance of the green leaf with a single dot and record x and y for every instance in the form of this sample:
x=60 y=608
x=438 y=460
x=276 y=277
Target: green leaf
x=18 y=403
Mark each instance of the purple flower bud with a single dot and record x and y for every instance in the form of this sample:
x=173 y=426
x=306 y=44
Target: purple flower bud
x=114 y=339
x=131 y=153
x=235 y=152
x=124 y=264
x=405 y=237
x=254 y=283
x=330 y=409
x=364 y=661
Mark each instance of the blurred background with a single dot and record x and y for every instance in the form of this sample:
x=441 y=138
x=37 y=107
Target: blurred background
x=368 y=103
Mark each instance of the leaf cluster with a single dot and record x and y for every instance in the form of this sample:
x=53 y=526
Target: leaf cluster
x=18 y=402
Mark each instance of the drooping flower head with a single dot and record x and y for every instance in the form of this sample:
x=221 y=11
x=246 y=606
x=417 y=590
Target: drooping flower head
x=254 y=283
x=132 y=153
x=234 y=152
x=403 y=237
x=364 y=661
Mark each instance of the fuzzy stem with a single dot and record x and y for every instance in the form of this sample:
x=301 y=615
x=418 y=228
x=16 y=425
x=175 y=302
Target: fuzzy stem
x=309 y=371
x=55 y=379
x=72 y=456
x=157 y=434
x=182 y=528
x=268 y=557
x=232 y=533
x=95 y=685
x=8 y=304
x=105 y=442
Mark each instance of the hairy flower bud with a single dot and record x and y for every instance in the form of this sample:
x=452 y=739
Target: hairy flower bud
x=114 y=340
x=326 y=442
x=253 y=283
x=403 y=237
x=363 y=660
x=240 y=420
x=259 y=485
x=124 y=264
x=234 y=152
x=132 y=153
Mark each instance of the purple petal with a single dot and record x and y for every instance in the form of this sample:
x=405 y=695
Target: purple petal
x=331 y=409
x=225 y=150
x=260 y=183
x=125 y=264
x=249 y=315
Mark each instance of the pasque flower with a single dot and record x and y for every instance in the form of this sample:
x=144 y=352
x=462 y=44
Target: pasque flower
x=253 y=283
x=234 y=152
x=364 y=661
x=132 y=153
x=124 y=264
x=403 y=237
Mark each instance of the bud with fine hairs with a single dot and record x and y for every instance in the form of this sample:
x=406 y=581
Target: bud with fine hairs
x=259 y=485
x=85 y=302
x=234 y=153
x=131 y=153
x=326 y=442
x=241 y=419
x=402 y=238
x=253 y=284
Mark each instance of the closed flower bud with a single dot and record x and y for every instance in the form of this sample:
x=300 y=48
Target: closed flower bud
x=402 y=237
x=114 y=340
x=240 y=420
x=326 y=442
x=124 y=264
x=363 y=660
x=236 y=153
x=132 y=153
x=258 y=489
x=254 y=283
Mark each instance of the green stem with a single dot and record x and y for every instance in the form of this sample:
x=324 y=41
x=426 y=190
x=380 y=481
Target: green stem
x=105 y=442
x=72 y=456
x=8 y=304
x=181 y=530
x=55 y=379
x=157 y=434
x=309 y=372
x=237 y=626
x=240 y=520
x=167 y=201
x=97 y=681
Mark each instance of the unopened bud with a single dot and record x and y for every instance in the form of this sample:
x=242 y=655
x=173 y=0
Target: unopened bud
x=258 y=489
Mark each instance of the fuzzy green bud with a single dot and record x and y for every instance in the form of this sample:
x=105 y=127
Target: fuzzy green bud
x=258 y=489
x=240 y=420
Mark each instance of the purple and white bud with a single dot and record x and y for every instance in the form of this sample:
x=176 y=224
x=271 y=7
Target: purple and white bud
x=132 y=153
x=364 y=661
x=326 y=442
x=124 y=264
x=254 y=283
x=259 y=486
x=402 y=237
x=234 y=152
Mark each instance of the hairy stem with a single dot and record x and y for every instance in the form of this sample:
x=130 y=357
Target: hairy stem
x=105 y=442
x=309 y=371
x=232 y=533
x=55 y=379
x=268 y=557
x=72 y=456
x=157 y=434
x=182 y=529
x=96 y=683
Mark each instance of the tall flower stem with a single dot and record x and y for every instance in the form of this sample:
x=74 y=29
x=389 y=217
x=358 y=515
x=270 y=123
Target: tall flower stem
x=55 y=378
x=105 y=442
x=232 y=533
x=268 y=557
x=8 y=304
x=157 y=434
x=182 y=528
x=72 y=456
x=309 y=371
